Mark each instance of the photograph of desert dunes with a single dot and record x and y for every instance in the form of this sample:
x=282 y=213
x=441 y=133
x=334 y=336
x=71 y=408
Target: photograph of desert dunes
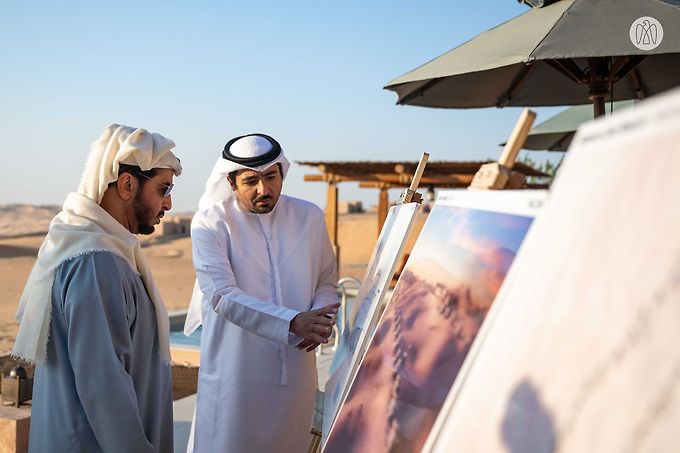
x=438 y=306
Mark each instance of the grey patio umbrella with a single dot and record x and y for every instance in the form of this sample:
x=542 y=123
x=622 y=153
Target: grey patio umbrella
x=556 y=133
x=568 y=52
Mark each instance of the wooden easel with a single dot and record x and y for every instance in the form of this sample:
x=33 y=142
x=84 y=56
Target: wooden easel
x=408 y=196
x=499 y=175
x=317 y=423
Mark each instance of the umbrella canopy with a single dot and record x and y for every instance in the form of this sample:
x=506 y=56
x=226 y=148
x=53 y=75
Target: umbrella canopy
x=566 y=53
x=556 y=133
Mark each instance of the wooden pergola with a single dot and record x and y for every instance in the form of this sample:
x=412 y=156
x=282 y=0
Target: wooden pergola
x=390 y=175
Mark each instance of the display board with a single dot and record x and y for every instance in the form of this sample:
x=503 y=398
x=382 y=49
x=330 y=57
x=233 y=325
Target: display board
x=580 y=352
x=364 y=312
x=455 y=269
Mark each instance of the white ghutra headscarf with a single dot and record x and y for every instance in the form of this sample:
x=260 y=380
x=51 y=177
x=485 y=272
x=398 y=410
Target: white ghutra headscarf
x=84 y=227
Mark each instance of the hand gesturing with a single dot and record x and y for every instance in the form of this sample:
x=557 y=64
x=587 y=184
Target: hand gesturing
x=315 y=326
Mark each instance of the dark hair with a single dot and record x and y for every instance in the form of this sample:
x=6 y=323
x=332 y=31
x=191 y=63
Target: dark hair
x=232 y=174
x=232 y=177
x=137 y=172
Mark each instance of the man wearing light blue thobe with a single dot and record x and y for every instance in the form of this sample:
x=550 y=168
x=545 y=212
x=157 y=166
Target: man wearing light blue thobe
x=91 y=316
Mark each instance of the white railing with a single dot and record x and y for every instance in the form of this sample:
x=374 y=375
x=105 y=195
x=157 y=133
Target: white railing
x=347 y=287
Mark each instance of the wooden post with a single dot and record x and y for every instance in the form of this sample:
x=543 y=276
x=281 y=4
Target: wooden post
x=419 y=172
x=332 y=217
x=497 y=175
x=15 y=424
x=383 y=207
x=410 y=195
x=317 y=422
x=517 y=138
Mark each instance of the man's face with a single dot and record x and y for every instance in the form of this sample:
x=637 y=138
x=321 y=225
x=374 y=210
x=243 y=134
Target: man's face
x=149 y=204
x=258 y=192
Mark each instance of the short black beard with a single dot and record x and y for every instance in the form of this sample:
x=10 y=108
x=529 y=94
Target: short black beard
x=263 y=210
x=143 y=215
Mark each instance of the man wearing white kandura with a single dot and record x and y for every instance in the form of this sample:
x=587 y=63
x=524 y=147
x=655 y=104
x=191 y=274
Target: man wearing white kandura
x=266 y=295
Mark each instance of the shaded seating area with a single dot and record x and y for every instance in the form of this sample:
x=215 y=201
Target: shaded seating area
x=397 y=175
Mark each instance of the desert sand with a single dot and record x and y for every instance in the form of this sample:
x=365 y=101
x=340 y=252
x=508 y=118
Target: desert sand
x=170 y=259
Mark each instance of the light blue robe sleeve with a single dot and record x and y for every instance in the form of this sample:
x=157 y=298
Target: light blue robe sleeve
x=99 y=346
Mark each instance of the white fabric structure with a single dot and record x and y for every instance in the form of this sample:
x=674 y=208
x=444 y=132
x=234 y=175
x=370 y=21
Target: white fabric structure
x=83 y=226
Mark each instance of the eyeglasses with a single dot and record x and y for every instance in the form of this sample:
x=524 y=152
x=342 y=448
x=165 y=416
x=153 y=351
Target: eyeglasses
x=168 y=187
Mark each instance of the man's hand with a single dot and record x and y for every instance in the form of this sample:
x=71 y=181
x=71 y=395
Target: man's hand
x=309 y=345
x=315 y=326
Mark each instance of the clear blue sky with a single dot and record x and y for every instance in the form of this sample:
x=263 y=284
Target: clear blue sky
x=310 y=73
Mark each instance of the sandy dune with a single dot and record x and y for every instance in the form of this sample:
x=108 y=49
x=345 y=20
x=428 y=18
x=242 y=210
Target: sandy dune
x=22 y=219
x=169 y=259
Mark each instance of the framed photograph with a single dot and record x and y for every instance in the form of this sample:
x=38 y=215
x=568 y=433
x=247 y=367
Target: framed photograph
x=445 y=290
x=580 y=352
x=364 y=313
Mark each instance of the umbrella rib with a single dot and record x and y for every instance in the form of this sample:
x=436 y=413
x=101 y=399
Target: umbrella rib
x=568 y=68
x=634 y=76
x=618 y=64
x=560 y=144
x=516 y=84
x=620 y=71
x=419 y=92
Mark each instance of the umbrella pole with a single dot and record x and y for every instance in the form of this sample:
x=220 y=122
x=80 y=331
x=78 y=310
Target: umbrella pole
x=598 y=106
x=598 y=86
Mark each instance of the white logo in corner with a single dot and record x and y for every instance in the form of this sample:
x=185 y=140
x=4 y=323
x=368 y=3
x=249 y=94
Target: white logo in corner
x=646 y=33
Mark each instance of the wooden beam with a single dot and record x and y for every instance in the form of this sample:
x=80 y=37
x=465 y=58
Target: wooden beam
x=332 y=212
x=332 y=218
x=398 y=180
x=383 y=207
x=379 y=185
x=368 y=168
x=448 y=181
x=328 y=177
x=419 y=172
x=410 y=195
x=517 y=138
x=498 y=175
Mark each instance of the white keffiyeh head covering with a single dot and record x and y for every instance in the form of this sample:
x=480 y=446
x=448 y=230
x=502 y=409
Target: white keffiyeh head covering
x=84 y=227
x=247 y=152
x=124 y=145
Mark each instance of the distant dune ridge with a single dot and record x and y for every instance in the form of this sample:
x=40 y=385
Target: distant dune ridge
x=23 y=219
x=22 y=229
